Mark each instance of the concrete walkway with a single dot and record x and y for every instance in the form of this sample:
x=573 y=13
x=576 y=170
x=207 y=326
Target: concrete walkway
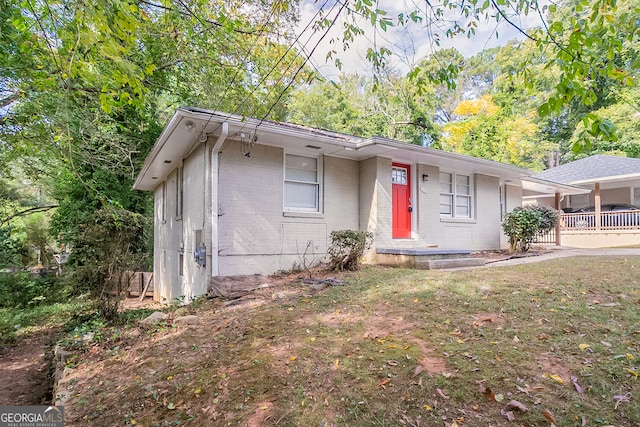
x=565 y=253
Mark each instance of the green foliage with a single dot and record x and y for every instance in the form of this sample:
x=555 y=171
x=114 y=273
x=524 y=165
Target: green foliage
x=108 y=246
x=624 y=116
x=12 y=249
x=549 y=217
x=23 y=289
x=347 y=248
x=523 y=223
x=393 y=107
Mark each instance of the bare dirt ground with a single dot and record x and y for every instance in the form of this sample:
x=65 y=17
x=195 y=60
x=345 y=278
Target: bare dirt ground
x=25 y=375
x=24 y=372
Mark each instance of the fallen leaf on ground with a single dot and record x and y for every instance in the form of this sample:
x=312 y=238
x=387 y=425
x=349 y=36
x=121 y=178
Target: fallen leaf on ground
x=574 y=381
x=384 y=382
x=514 y=404
x=549 y=416
x=488 y=394
x=554 y=377
x=508 y=414
x=419 y=369
x=622 y=399
x=583 y=346
x=441 y=394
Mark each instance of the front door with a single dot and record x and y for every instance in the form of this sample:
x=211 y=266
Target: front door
x=401 y=200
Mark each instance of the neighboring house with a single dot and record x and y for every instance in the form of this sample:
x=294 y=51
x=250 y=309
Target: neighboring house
x=607 y=180
x=235 y=195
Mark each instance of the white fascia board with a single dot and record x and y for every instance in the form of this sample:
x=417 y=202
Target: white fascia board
x=140 y=184
x=545 y=187
x=431 y=156
x=613 y=178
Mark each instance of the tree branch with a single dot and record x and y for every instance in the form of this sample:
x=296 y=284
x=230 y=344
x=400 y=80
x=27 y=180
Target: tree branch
x=28 y=212
x=9 y=99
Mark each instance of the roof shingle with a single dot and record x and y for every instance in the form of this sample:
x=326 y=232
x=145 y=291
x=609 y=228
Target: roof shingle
x=591 y=168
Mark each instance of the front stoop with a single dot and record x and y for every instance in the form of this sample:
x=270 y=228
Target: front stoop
x=435 y=264
x=427 y=259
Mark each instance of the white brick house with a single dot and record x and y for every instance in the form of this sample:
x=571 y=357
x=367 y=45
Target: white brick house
x=235 y=195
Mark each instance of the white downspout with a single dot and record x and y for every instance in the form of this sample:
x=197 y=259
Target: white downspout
x=213 y=209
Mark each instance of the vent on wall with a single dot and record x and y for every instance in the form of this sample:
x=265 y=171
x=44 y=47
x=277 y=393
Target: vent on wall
x=315 y=147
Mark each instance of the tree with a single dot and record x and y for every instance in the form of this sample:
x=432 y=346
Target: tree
x=86 y=89
x=625 y=116
x=393 y=108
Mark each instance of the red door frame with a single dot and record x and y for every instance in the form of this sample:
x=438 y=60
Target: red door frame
x=401 y=203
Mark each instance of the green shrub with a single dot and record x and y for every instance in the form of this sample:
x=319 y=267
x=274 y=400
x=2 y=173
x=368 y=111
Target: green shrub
x=523 y=223
x=548 y=217
x=347 y=247
x=110 y=247
x=24 y=289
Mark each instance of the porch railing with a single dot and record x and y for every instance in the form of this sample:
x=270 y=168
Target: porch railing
x=585 y=221
x=548 y=238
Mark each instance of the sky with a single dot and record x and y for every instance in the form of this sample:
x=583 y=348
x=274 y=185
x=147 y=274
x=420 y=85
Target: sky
x=409 y=44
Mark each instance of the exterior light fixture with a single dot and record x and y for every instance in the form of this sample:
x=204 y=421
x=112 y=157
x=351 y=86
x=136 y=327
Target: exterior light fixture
x=425 y=177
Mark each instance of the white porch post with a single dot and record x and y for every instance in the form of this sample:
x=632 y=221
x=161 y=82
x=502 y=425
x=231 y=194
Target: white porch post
x=557 y=203
x=597 y=203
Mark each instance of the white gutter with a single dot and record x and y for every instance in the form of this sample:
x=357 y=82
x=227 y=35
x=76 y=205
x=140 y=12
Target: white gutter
x=612 y=178
x=213 y=208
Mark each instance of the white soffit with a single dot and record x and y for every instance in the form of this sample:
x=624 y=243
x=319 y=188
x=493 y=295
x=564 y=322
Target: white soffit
x=184 y=133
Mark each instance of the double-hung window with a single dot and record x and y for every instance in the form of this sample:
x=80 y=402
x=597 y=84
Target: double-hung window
x=456 y=195
x=301 y=183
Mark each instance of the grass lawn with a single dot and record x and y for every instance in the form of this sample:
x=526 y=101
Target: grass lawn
x=553 y=342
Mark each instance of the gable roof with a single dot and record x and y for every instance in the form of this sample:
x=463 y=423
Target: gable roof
x=192 y=126
x=597 y=168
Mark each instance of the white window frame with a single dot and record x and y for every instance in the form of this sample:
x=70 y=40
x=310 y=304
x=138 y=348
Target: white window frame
x=179 y=192
x=317 y=184
x=454 y=195
x=163 y=204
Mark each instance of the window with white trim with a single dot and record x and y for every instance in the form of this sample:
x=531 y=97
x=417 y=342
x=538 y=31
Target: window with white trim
x=179 y=192
x=301 y=183
x=456 y=195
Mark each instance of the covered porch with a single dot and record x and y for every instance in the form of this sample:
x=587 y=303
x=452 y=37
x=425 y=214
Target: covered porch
x=608 y=181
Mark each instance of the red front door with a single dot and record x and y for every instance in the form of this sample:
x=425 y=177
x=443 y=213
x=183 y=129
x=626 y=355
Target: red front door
x=401 y=201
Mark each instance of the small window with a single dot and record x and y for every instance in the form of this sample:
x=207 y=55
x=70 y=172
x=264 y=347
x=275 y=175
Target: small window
x=163 y=203
x=301 y=183
x=399 y=175
x=179 y=193
x=455 y=195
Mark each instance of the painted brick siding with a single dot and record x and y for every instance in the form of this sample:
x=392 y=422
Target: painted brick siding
x=341 y=194
x=375 y=199
x=255 y=234
x=478 y=233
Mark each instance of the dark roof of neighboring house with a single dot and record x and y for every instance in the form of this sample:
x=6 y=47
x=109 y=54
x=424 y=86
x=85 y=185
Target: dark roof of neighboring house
x=591 y=169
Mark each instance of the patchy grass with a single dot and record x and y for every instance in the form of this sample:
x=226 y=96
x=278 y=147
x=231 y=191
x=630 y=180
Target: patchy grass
x=392 y=347
x=17 y=323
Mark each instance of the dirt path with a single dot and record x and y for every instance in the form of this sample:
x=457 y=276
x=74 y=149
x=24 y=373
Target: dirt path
x=23 y=372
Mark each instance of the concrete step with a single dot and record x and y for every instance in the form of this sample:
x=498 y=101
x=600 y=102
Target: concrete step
x=435 y=264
